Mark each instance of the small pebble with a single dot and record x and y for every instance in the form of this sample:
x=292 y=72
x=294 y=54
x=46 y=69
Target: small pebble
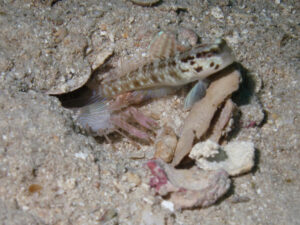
x=145 y=2
x=137 y=155
x=165 y=146
x=33 y=188
x=187 y=37
x=239 y=199
x=60 y=34
x=109 y=215
x=217 y=13
x=133 y=178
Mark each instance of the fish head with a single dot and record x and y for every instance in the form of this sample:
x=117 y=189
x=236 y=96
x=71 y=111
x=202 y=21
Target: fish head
x=206 y=59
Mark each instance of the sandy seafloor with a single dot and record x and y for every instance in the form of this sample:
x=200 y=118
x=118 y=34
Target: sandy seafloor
x=52 y=172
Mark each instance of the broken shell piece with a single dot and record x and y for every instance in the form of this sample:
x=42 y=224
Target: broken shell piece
x=100 y=58
x=166 y=144
x=188 y=188
x=80 y=75
x=236 y=157
x=76 y=82
x=74 y=69
x=224 y=122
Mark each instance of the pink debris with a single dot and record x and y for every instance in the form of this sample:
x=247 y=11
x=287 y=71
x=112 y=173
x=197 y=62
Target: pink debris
x=160 y=177
x=188 y=188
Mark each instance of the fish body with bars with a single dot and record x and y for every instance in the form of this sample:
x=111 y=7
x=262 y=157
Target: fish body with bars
x=162 y=72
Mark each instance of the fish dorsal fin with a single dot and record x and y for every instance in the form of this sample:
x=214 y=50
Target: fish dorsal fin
x=128 y=65
x=163 y=46
x=132 y=63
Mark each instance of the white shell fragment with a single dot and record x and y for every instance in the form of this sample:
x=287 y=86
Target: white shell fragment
x=236 y=158
x=168 y=205
x=204 y=149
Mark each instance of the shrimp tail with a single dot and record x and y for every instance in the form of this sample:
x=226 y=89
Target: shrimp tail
x=96 y=117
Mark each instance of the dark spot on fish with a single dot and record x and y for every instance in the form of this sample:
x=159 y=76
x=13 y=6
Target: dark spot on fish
x=145 y=68
x=192 y=62
x=183 y=70
x=154 y=78
x=199 y=69
x=174 y=74
x=126 y=86
x=199 y=55
x=114 y=89
x=136 y=83
x=211 y=64
x=161 y=65
x=201 y=46
x=204 y=54
x=188 y=58
x=145 y=80
x=172 y=63
x=215 y=50
x=217 y=66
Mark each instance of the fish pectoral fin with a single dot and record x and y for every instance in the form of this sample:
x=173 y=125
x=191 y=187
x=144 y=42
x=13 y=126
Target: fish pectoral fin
x=195 y=94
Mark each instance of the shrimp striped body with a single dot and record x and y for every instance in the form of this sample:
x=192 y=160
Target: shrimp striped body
x=181 y=68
